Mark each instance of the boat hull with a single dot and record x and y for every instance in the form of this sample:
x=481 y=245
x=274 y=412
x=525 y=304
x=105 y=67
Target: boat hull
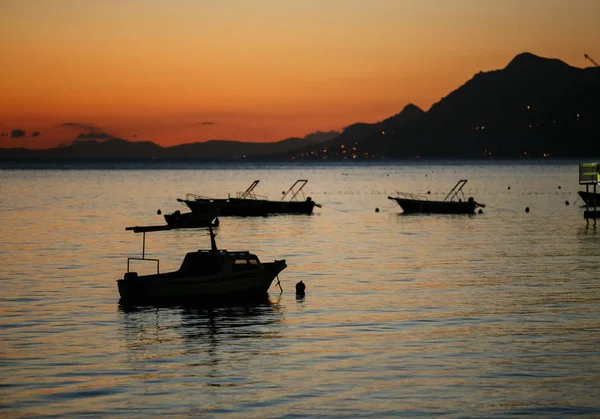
x=169 y=287
x=227 y=207
x=250 y=207
x=590 y=198
x=190 y=220
x=423 y=206
x=290 y=207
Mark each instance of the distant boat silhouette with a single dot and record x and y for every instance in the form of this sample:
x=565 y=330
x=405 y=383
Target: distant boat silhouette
x=248 y=204
x=452 y=204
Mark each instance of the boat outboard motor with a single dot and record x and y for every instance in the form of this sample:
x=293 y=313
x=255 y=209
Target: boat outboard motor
x=477 y=204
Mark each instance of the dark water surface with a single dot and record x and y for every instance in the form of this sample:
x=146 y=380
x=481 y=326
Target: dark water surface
x=493 y=315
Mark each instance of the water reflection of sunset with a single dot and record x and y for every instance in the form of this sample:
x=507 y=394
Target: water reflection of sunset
x=402 y=314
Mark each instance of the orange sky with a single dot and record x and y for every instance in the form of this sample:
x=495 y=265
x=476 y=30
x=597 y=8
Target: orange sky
x=257 y=70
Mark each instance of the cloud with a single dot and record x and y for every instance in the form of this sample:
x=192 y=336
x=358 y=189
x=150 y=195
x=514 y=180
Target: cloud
x=36 y=134
x=16 y=133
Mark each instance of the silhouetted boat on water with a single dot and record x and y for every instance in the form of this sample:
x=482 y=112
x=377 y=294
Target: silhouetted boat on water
x=180 y=219
x=590 y=198
x=248 y=204
x=203 y=274
x=454 y=203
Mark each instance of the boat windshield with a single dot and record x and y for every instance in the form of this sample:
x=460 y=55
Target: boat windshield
x=201 y=264
x=245 y=264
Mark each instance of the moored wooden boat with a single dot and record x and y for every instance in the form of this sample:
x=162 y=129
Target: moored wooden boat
x=179 y=219
x=454 y=203
x=203 y=274
x=247 y=204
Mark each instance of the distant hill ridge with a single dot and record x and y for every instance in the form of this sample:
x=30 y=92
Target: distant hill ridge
x=534 y=107
x=117 y=148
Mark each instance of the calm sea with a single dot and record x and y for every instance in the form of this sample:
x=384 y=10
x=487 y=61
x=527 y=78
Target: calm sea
x=492 y=315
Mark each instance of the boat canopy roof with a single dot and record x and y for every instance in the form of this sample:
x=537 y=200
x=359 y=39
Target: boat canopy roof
x=589 y=173
x=204 y=262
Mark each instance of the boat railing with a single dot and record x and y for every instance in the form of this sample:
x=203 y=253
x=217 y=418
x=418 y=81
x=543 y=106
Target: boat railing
x=144 y=230
x=295 y=190
x=145 y=259
x=194 y=197
x=251 y=195
x=456 y=192
x=248 y=193
x=408 y=195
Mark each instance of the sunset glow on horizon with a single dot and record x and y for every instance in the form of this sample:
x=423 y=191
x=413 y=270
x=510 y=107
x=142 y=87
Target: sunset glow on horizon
x=263 y=70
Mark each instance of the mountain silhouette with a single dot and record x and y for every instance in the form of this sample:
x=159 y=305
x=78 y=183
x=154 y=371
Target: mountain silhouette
x=534 y=107
x=117 y=148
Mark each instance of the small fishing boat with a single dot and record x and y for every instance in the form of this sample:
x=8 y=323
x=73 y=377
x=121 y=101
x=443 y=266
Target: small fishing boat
x=203 y=274
x=178 y=219
x=454 y=203
x=247 y=203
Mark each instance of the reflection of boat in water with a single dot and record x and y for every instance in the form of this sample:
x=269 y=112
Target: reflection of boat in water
x=247 y=203
x=203 y=274
x=454 y=203
x=205 y=330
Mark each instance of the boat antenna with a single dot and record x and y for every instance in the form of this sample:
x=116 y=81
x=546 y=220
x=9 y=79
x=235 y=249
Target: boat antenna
x=213 y=242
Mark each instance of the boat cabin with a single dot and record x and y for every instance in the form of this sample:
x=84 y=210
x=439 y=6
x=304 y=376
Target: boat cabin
x=207 y=262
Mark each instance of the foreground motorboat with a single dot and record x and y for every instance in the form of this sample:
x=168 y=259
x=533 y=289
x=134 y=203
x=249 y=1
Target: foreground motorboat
x=247 y=203
x=212 y=273
x=454 y=203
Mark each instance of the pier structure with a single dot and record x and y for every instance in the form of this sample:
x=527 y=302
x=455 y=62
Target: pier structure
x=589 y=175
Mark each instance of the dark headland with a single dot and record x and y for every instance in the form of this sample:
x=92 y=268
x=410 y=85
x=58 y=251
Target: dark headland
x=534 y=107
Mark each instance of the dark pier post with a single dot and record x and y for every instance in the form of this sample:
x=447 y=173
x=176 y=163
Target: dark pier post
x=589 y=175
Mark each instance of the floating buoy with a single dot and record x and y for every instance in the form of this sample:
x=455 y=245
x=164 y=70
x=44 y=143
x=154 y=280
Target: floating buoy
x=509 y=188
x=527 y=209
x=300 y=287
x=566 y=202
x=376 y=209
x=428 y=192
x=559 y=187
x=158 y=212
